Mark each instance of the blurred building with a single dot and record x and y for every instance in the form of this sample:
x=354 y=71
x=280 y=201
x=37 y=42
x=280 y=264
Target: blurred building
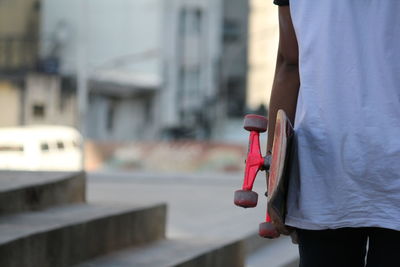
x=155 y=68
x=18 y=35
x=209 y=58
x=29 y=93
x=234 y=65
x=263 y=44
x=49 y=99
x=18 y=54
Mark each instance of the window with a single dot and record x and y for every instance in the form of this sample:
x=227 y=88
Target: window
x=236 y=97
x=182 y=21
x=44 y=147
x=110 y=120
x=38 y=111
x=190 y=20
x=60 y=145
x=148 y=112
x=231 y=30
x=189 y=88
x=192 y=85
x=195 y=21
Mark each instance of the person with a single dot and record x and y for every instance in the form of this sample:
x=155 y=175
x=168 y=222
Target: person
x=338 y=79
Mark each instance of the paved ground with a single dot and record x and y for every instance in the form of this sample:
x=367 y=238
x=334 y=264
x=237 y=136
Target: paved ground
x=199 y=205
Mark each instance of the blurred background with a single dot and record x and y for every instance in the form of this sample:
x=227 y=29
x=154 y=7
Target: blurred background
x=163 y=76
x=135 y=90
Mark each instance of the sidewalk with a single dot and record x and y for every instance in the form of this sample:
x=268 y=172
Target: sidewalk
x=199 y=205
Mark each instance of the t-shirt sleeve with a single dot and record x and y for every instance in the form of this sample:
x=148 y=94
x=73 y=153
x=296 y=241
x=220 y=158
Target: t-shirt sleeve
x=281 y=2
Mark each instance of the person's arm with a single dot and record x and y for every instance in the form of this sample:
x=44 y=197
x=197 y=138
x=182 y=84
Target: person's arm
x=286 y=83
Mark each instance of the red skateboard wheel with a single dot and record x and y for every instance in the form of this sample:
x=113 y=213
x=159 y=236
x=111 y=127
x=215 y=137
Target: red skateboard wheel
x=256 y=123
x=245 y=198
x=267 y=230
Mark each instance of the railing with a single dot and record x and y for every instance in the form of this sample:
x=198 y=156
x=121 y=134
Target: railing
x=18 y=53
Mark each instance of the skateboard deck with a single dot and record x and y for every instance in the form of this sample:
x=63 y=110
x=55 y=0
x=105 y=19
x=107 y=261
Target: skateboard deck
x=278 y=175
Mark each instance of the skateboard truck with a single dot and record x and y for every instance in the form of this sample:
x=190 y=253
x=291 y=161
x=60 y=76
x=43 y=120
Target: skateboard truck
x=255 y=162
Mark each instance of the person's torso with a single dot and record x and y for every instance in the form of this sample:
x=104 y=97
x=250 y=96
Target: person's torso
x=348 y=113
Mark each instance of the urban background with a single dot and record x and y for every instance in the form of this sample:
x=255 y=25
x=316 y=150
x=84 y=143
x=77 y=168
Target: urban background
x=147 y=97
x=147 y=73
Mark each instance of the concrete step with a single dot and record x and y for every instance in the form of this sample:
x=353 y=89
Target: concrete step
x=24 y=191
x=67 y=235
x=251 y=251
x=176 y=252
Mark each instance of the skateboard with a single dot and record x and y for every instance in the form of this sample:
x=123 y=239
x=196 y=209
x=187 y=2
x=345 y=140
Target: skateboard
x=275 y=164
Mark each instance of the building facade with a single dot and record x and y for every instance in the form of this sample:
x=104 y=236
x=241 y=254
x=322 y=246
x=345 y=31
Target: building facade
x=28 y=91
x=18 y=55
x=19 y=29
x=263 y=45
x=155 y=68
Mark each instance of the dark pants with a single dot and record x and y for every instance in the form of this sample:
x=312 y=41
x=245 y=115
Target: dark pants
x=347 y=247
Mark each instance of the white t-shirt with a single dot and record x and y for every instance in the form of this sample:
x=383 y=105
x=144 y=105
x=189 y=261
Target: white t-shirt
x=348 y=115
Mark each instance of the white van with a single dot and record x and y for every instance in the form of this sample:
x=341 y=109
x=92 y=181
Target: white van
x=44 y=148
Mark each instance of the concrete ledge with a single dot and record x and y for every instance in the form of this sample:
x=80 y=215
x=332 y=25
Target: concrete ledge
x=68 y=235
x=24 y=191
